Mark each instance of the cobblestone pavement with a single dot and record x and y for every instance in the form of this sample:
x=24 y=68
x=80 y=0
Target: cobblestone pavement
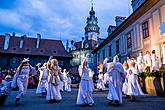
x=33 y=102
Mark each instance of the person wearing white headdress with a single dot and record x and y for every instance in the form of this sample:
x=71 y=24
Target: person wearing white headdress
x=54 y=79
x=61 y=82
x=21 y=78
x=116 y=72
x=147 y=61
x=155 y=61
x=85 y=91
x=134 y=88
x=69 y=81
x=100 y=81
x=42 y=85
x=140 y=63
x=65 y=74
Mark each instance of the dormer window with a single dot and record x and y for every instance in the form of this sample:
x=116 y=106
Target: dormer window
x=27 y=49
x=54 y=51
x=14 y=48
x=41 y=51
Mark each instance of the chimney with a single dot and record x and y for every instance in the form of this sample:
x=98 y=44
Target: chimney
x=7 y=41
x=82 y=43
x=13 y=34
x=38 y=40
x=119 y=20
x=21 y=41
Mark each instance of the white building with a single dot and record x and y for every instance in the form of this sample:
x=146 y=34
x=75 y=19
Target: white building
x=143 y=30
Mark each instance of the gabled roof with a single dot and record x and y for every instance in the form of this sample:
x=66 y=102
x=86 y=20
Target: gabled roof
x=47 y=47
x=147 y=5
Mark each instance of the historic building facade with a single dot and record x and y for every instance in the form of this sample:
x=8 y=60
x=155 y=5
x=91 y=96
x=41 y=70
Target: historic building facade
x=88 y=43
x=142 y=31
x=14 y=48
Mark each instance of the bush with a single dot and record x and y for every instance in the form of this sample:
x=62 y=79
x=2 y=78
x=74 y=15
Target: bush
x=156 y=74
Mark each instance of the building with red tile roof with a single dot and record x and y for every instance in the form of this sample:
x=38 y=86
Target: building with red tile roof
x=14 y=48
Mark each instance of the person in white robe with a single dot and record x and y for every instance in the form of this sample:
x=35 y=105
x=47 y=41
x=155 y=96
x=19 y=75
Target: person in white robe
x=54 y=78
x=134 y=88
x=155 y=61
x=65 y=74
x=61 y=82
x=116 y=72
x=42 y=85
x=147 y=61
x=125 y=84
x=85 y=88
x=69 y=81
x=21 y=78
x=140 y=63
x=100 y=82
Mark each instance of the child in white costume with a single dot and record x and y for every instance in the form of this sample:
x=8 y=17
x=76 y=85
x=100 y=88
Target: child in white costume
x=21 y=78
x=85 y=89
x=134 y=88
x=100 y=82
x=42 y=85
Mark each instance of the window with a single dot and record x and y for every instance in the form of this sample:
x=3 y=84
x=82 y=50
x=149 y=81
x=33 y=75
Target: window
x=103 y=54
x=110 y=53
x=14 y=60
x=117 y=47
x=145 y=29
x=129 y=40
x=98 y=57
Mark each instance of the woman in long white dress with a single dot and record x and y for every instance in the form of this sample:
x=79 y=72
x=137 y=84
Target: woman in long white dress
x=116 y=72
x=53 y=91
x=85 y=88
x=42 y=85
x=134 y=88
x=21 y=78
x=155 y=61
x=125 y=84
x=140 y=63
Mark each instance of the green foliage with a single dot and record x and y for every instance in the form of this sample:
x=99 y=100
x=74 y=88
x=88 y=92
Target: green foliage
x=156 y=74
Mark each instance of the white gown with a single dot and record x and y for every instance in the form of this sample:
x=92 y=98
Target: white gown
x=140 y=64
x=155 y=62
x=100 y=82
x=147 y=59
x=42 y=85
x=85 y=89
x=21 y=79
x=133 y=84
x=125 y=84
x=115 y=82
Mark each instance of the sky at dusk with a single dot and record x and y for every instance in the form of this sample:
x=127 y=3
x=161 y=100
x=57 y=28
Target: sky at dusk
x=58 y=19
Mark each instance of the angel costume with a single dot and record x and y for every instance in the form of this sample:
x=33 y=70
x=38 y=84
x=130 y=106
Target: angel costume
x=100 y=82
x=134 y=88
x=155 y=62
x=53 y=91
x=42 y=85
x=21 y=79
x=116 y=72
x=140 y=63
x=85 y=88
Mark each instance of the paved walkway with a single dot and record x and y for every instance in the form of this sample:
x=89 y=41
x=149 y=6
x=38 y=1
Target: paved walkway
x=33 y=102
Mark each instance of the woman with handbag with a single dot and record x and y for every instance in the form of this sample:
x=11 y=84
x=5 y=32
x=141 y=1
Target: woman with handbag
x=54 y=78
x=21 y=78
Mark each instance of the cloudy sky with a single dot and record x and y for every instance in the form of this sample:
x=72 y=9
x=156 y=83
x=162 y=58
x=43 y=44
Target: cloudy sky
x=58 y=19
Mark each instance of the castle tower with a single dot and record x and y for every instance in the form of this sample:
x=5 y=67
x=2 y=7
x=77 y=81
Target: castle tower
x=92 y=28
